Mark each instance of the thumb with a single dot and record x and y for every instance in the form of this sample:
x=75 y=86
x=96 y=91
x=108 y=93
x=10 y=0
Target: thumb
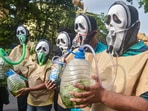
x=95 y=77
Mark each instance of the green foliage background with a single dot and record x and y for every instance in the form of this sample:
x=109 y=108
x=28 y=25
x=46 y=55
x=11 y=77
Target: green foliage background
x=44 y=18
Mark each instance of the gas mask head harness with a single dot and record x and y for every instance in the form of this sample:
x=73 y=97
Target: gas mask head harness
x=123 y=25
x=85 y=27
x=64 y=40
x=22 y=34
x=42 y=50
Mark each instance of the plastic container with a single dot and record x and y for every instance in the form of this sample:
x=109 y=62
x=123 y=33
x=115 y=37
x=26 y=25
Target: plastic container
x=14 y=82
x=55 y=73
x=4 y=67
x=78 y=71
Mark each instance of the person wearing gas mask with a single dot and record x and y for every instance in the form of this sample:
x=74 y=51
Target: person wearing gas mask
x=64 y=43
x=123 y=68
x=85 y=27
x=37 y=70
x=16 y=53
x=64 y=40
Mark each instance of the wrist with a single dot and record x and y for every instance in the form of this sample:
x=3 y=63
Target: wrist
x=28 y=89
x=103 y=95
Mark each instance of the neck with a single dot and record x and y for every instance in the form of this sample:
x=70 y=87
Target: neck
x=93 y=42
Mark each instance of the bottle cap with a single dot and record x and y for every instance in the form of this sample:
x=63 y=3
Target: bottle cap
x=10 y=72
x=80 y=54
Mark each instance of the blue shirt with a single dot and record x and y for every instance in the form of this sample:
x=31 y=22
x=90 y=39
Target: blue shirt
x=100 y=47
x=136 y=49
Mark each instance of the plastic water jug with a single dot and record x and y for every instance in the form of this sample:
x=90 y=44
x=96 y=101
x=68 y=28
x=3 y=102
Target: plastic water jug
x=14 y=82
x=78 y=71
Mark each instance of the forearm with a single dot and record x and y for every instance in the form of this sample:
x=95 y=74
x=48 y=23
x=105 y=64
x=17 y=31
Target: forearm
x=37 y=87
x=124 y=103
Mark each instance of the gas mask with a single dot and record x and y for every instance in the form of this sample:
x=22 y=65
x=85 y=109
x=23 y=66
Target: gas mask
x=83 y=26
x=42 y=50
x=22 y=34
x=119 y=22
x=63 y=41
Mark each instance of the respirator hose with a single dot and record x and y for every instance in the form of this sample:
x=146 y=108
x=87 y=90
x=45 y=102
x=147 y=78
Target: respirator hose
x=3 y=55
x=97 y=70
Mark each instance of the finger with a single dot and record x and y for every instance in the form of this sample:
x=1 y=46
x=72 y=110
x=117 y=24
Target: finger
x=95 y=77
x=83 y=87
x=82 y=105
x=46 y=82
x=51 y=86
x=55 y=87
x=79 y=94
x=52 y=82
x=78 y=100
x=86 y=88
x=82 y=96
x=18 y=95
x=19 y=91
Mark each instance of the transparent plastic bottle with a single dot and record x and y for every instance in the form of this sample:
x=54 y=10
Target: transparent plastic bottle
x=14 y=82
x=55 y=73
x=78 y=71
x=4 y=67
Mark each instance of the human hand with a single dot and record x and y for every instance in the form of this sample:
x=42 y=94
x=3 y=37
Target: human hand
x=22 y=92
x=50 y=85
x=18 y=72
x=92 y=94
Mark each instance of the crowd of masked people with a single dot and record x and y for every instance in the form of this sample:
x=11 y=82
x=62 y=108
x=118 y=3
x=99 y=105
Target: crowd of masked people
x=120 y=85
